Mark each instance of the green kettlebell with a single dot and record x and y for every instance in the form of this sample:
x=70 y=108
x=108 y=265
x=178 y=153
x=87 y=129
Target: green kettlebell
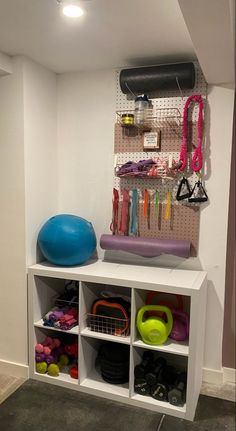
x=154 y=330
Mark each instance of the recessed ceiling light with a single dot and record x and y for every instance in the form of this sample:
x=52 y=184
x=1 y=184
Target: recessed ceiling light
x=72 y=10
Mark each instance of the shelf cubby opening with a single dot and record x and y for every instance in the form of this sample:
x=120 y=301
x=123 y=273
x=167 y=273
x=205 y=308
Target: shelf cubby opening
x=179 y=363
x=171 y=345
x=100 y=325
x=90 y=375
x=46 y=297
x=68 y=346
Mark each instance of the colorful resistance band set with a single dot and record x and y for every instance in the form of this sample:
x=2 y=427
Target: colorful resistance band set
x=127 y=222
x=151 y=167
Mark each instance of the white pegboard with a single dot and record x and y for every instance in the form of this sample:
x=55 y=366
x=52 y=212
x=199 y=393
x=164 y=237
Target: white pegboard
x=186 y=216
x=160 y=100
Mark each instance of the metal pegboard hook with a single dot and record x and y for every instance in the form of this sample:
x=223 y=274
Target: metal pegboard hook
x=181 y=93
x=127 y=86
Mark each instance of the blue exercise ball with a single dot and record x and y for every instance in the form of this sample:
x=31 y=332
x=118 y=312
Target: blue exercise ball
x=67 y=240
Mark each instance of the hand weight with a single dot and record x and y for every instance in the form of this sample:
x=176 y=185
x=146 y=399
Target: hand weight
x=151 y=376
x=177 y=395
x=147 y=362
x=165 y=380
x=141 y=386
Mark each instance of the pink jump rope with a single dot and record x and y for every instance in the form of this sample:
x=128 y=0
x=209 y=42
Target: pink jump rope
x=196 y=164
x=198 y=193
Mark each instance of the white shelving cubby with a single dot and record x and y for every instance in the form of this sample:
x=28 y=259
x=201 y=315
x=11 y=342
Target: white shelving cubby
x=46 y=281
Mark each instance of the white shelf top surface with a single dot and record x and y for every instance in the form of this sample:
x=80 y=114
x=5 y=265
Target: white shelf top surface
x=63 y=377
x=99 y=335
x=123 y=275
x=74 y=330
x=170 y=346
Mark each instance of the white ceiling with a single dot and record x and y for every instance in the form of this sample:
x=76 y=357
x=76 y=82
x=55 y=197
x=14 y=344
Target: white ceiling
x=214 y=39
x=112 y=33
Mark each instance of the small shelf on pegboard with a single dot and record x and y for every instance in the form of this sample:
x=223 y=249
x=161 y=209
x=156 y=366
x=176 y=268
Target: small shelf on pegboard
x=164 y=167
x=165 y=118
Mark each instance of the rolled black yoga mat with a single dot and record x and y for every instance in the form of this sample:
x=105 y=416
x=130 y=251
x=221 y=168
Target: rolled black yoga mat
x=147 y=79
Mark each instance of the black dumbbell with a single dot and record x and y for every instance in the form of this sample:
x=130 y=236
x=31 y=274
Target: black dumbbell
x=147 y=362
x=165 y=380
x=141 y=387
x=151 y=376
x=159 y=391
x=177 y=395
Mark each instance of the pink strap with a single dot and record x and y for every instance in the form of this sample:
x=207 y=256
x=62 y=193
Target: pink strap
x=196 y=163
x=124 y=218
x=115 y=211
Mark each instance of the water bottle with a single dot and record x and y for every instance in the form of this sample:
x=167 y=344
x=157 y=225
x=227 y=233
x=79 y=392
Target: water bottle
x=141 y=108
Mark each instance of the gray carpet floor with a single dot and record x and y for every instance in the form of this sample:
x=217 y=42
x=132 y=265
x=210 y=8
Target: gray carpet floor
x=36 y=406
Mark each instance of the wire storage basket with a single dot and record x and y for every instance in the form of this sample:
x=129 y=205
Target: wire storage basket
x=163 y=118
x=108 y=325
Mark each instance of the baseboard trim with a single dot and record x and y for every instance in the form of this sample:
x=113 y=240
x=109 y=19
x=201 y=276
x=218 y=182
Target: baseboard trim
x=229 y=375
x=14 y=369
x=215 y=377
x=218 y=377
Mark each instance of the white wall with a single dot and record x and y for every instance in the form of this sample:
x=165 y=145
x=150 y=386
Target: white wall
x=40 y=144
x=86 y=105
x=13 y=291
x=214 y=218
x=86 y=114
x=6 y=66
x=28 y=178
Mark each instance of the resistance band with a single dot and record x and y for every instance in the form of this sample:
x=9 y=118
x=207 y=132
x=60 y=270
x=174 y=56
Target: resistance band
x=168 y=206
x=196 y=163
x=156 y=204
x=134 y=217
x=145 y=204
x=124 y=218
x=115 y=210
x=147 y=207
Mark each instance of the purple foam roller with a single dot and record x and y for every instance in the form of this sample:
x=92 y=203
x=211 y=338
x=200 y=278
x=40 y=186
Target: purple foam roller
x=146 y=247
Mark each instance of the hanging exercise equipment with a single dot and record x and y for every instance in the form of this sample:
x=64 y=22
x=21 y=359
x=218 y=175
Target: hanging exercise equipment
x=184 y=190
x=134 y=213
x=198 y=194
x=124 y=218
x=141 y=80
x=196 y=163
x=168 y=206
x=115 y=212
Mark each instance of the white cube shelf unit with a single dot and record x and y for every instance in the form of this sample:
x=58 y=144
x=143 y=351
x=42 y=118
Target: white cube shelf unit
x=45 y=281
